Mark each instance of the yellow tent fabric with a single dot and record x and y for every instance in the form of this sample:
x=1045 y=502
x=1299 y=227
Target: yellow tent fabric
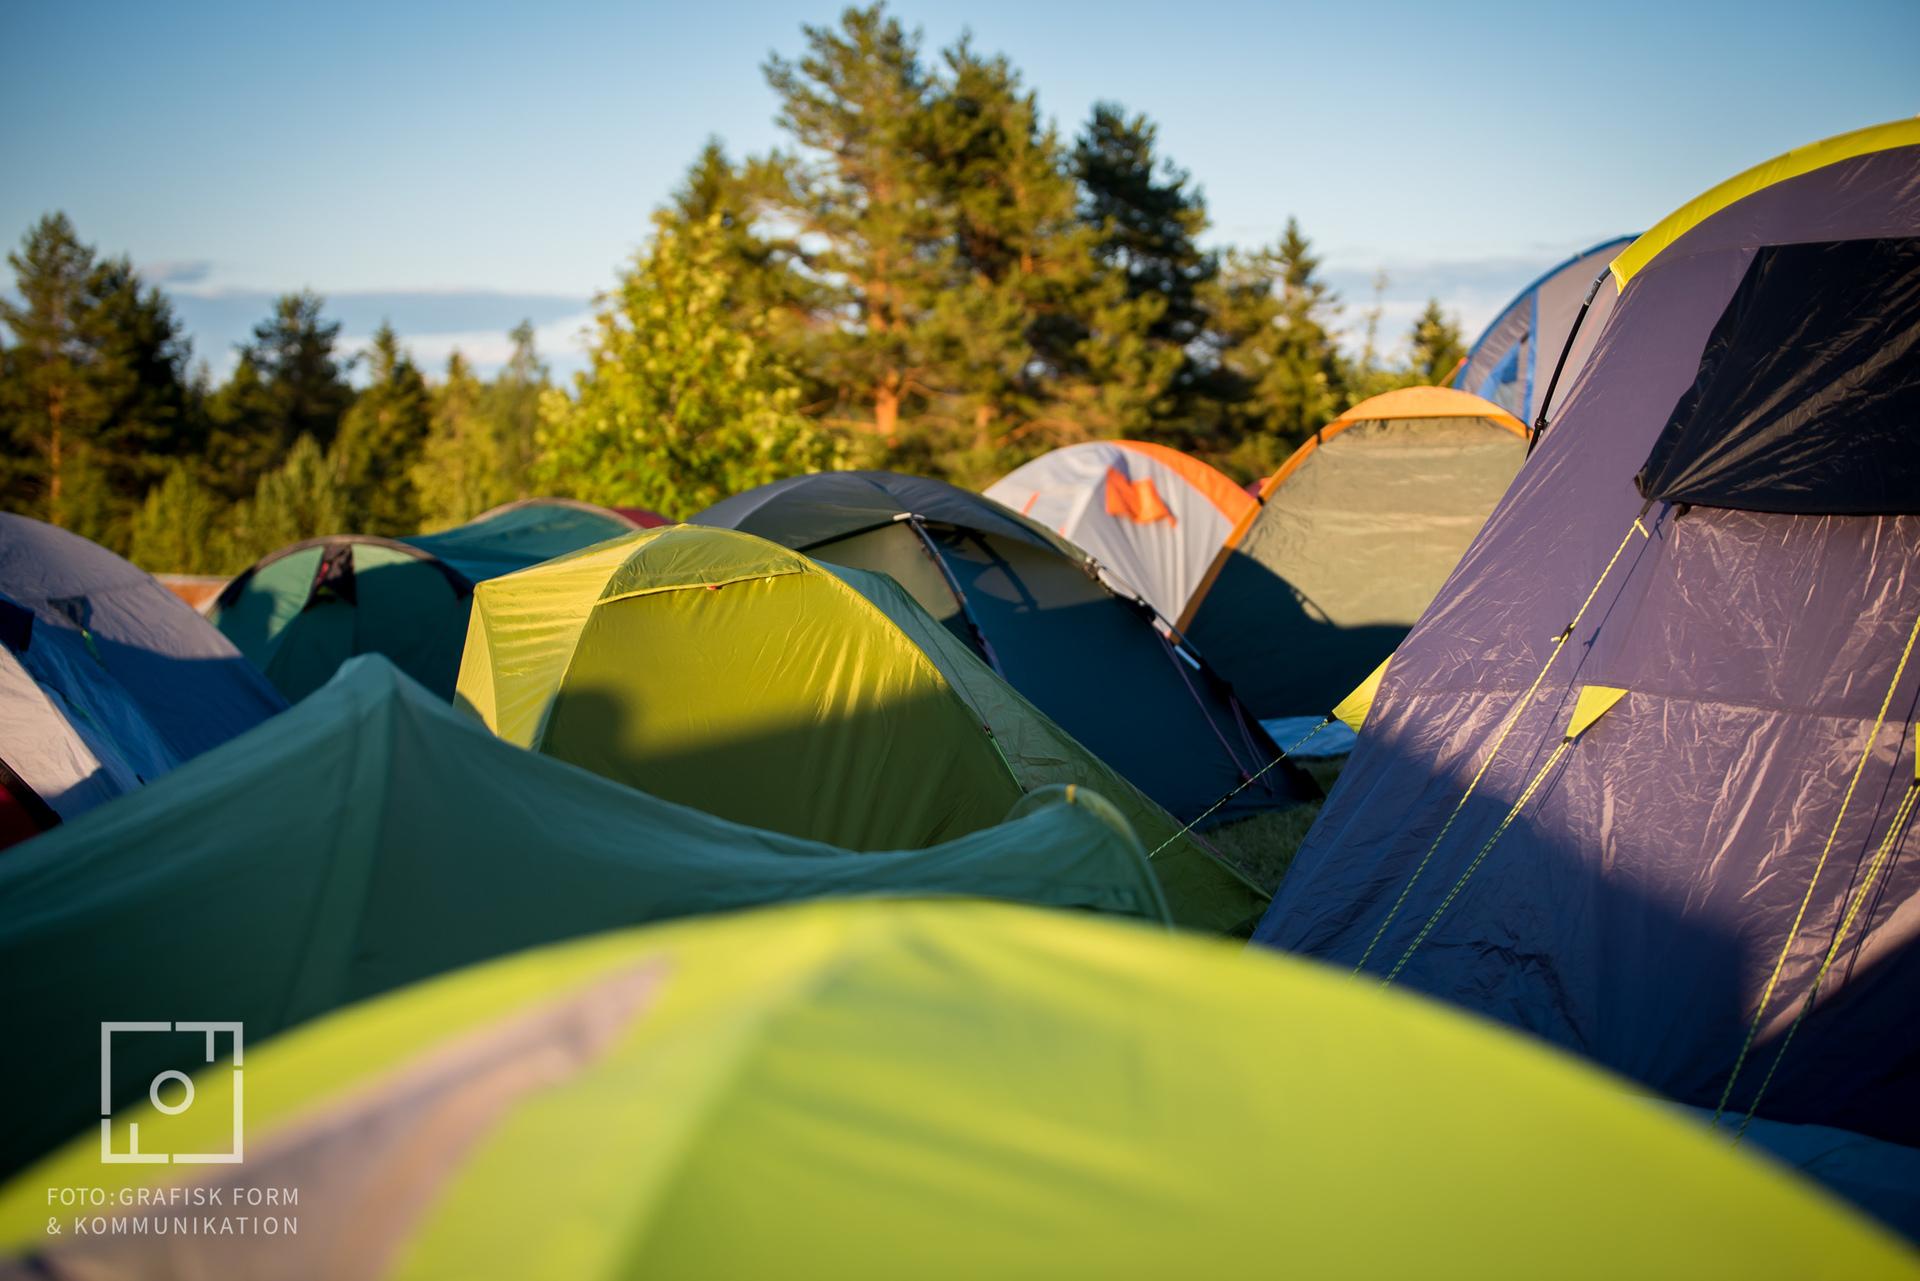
x=1352 y=710
x=1801 y=160
x=1593 y=702
x=947 y=1090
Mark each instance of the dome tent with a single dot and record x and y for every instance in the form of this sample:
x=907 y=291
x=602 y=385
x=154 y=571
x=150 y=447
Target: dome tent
x=107 y=679
x=1032 y=608
x=1513 y=359
x=1672 y=681
x=869 y=1090
x=1355 y=533
x=725 y=672
x=372 y=836
x=1153 y=518
x=300 y=612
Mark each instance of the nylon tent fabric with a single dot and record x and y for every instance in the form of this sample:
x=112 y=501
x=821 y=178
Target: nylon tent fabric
x=1512 y=360
x=939 y=1090
x=725 y=672
x=302 y=611
x=1151 y=517
x=370 y=837
x=142 y=682
x=1356 y=533
x=1032 y=608
x=1664 y=891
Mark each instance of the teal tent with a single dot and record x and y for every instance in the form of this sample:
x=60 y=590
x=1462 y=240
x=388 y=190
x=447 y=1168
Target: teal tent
x=300 y=612
x=372 y=836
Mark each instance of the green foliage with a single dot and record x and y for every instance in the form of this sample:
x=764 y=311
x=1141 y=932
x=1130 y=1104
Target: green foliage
x=682 y=404
x=304 y=497
x=463 y=468
x=1435 y=346
x=381 y=440
x=289 y=384
x=92 y=388
x=181 y=527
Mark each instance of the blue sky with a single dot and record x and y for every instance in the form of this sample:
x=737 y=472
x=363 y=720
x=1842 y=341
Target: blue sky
x=456 y=167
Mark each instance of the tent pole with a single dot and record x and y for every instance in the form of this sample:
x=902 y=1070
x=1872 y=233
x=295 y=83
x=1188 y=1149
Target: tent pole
x=1546 y=397
x=959 y=597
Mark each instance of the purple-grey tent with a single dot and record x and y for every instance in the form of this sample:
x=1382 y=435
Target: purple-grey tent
x=1513 y=360
x=1640 y=779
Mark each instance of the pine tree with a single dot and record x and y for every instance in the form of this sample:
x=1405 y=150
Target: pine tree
x=463 y=467
x=1272 y=344
x=301 y=498
x=182 y=527
x=381 y=438
x=856 y=103
x=682 y=403
x=1149 y=222
x=92 y=390
x=512 y=408
x=295 y=386
x=1434 y=345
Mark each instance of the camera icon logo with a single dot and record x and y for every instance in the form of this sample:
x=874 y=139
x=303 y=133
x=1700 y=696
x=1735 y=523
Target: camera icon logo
x=171 y=1091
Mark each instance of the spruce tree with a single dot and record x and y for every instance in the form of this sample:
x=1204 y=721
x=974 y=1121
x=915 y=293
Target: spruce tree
x=463 y=467
x=381 y=438
x=1435 y=348
x=294 y=386
x=512 y=408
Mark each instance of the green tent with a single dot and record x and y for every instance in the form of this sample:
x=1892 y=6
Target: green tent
x=723 y=671
x=1035 y=609
x=300 y=612
x=371 y=836
x=874 y=1091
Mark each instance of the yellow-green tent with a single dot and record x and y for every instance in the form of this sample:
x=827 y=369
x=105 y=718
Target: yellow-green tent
x=930 y=1090
x=725 y=672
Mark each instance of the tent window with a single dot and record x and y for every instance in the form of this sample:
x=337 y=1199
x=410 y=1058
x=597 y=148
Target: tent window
x=1807 y=399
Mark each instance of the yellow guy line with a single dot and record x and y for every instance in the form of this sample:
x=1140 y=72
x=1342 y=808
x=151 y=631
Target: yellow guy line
x=1900 y=817
x=1512 y=716
x=1793 y=932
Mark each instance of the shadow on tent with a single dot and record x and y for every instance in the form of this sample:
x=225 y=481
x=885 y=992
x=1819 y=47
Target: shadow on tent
x=1538 y=938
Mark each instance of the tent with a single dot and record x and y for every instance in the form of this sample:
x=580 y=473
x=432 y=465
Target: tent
x=1153 y=518
x=300 y=612
x=372 y=836
x=106 y=678
x=1354 y=535
x=1035 y=611
x=929 y=1090
x=1513 y=360
x=1641 y=780
x=722 y=671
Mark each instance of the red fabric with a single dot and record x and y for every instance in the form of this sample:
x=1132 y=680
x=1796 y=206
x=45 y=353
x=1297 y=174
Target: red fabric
x=1137 y=500
x=17 y=822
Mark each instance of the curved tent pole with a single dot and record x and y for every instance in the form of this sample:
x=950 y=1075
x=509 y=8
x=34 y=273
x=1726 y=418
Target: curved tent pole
x=1566 y=348
x=953 y=585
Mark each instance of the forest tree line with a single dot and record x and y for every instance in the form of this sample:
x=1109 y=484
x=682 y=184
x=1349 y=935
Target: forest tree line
x=925 y=276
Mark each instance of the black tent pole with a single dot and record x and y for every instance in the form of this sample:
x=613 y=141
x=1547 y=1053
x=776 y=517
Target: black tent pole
x=1546 y=397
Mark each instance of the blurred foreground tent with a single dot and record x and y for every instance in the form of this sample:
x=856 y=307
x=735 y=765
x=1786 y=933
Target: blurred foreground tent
x=1030 y=605
x=723 y=671
x=372 y=836
x=1642 y=780
x=1153 y=518
x=1355 y=534
x=107 y=680
x=933 y=1090
x=1513 y=360
x=300 y=612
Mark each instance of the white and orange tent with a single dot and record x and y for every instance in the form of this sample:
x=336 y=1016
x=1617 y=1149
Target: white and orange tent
x=1152 y=517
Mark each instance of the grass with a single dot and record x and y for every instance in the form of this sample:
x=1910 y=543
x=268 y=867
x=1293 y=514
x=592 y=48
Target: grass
x=1262 y=847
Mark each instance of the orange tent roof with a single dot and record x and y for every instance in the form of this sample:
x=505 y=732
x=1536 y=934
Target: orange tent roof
x=1214 y=485
x=1428 y=402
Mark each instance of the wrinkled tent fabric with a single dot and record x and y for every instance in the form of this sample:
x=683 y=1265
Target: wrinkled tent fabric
x=304 y=610
x=372 y=836
x=1153 y=518
x=1642 y=900
x=1027 y=603
x=1355 y=534
x=723 y=671
x=938 y=1090
x=1512 y=361
x=143 y=683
